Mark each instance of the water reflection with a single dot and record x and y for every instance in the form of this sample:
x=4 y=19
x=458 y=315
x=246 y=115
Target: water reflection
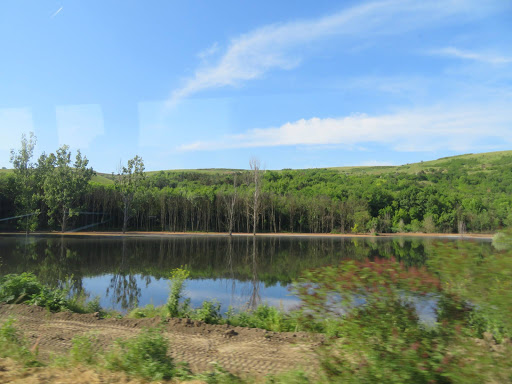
x=238 y=271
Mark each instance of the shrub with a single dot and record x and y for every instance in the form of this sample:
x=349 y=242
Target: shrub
x=265 y=317
x=376 y=334
x=209 y=312
x=26 y=288
x=148 y=311
x=15 y=346
x=84 y=350
x=19 y=288
x=145 y=356
x=177 y=284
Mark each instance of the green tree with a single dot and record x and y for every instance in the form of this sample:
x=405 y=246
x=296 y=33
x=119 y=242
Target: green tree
x=64 y=184
x=25 y=181
x=128 y=181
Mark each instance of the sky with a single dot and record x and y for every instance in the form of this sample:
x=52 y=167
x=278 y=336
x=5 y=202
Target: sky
x=294 y=83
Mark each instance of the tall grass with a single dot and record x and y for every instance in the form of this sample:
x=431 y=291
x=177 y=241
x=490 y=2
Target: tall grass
x=14 y=345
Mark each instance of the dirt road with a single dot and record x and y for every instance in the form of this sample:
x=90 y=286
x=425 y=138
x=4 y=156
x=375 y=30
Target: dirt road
x=239 y=350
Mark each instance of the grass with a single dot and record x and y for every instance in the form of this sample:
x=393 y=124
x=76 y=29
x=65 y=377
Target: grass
x=476 y=162
x=15 y=346
x=145 y=355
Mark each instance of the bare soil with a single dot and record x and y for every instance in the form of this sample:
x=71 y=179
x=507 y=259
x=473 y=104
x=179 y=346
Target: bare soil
x=239 y=350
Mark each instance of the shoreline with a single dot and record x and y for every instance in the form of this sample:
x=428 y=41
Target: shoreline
x=225 y=234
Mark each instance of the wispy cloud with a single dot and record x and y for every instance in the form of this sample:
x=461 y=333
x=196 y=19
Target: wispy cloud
x=277 y=46
x=210 y=51
x=410 y=130
x=471 y=55
x=57 y=12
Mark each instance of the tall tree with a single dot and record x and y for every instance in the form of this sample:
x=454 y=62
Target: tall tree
x=230 y=202
x=128 y=181
x=64 y=184
x=25 y=182
x=256 y=174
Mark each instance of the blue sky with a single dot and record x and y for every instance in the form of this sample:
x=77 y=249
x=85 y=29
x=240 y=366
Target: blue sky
x=297 y=84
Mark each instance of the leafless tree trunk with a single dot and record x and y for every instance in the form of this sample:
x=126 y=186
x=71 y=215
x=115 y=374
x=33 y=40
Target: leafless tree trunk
x=230 y=205
x=255 y=168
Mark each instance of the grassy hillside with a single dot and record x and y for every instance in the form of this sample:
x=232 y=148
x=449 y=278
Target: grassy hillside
x=471 y=162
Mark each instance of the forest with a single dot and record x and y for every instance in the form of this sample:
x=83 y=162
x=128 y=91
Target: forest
x=59 y=191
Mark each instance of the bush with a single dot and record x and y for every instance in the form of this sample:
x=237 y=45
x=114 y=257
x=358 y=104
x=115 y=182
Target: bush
x=145 y=355
x=177 y=283
x=265 y=317
x=84 y=350
x=19 y=288
x=26 y=288
x=209 y=312
x=15 y=346
x=148 y=311
x=376 y=334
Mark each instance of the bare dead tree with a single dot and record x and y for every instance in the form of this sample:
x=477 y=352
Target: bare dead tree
x=254 y=163
x=230 y=201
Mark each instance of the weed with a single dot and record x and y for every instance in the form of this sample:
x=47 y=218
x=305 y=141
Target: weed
x=177 y=283
x=145 y=356
x=148 y=311
x=219 y=376
x=84 y=350
x=14 y=345
x=209 y=312
x=26 y=288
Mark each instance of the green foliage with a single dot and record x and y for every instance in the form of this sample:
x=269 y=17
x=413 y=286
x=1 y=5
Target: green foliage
x=481 y=279
x=19 y=288
x=85 y=350
x=128 y=183
x=146 y=356
x=177 y=284
x=219 y=376
x=26 y=288
x=64 y=184
x=148 y=311
x=209 y=312
x=503 y=240
x=376 y=334
x=265 y=317
x=15 y=346
x=25 y=183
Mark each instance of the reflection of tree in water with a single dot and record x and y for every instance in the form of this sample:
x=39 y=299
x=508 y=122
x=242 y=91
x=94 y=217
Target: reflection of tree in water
x=254 y=262
x=255 y=298
x=123 y=286
x=231 y=271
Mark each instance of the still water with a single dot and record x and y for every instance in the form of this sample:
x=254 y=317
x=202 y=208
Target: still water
x=240 y=272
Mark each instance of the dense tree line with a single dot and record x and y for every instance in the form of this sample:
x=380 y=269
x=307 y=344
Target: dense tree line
x=457 y=195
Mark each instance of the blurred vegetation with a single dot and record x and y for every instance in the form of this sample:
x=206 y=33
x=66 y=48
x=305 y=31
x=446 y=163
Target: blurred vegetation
x=373 y=312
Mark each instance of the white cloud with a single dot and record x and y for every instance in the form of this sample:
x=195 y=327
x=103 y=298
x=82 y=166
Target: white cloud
x=470 y=55
x=278 y=46
x=429 y=129
x=79 y=125
x=13 y=123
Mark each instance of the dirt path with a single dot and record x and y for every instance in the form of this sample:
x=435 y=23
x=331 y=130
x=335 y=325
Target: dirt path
x=239 y=350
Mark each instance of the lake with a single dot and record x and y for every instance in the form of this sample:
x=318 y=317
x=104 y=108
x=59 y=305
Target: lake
x=242 y=272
